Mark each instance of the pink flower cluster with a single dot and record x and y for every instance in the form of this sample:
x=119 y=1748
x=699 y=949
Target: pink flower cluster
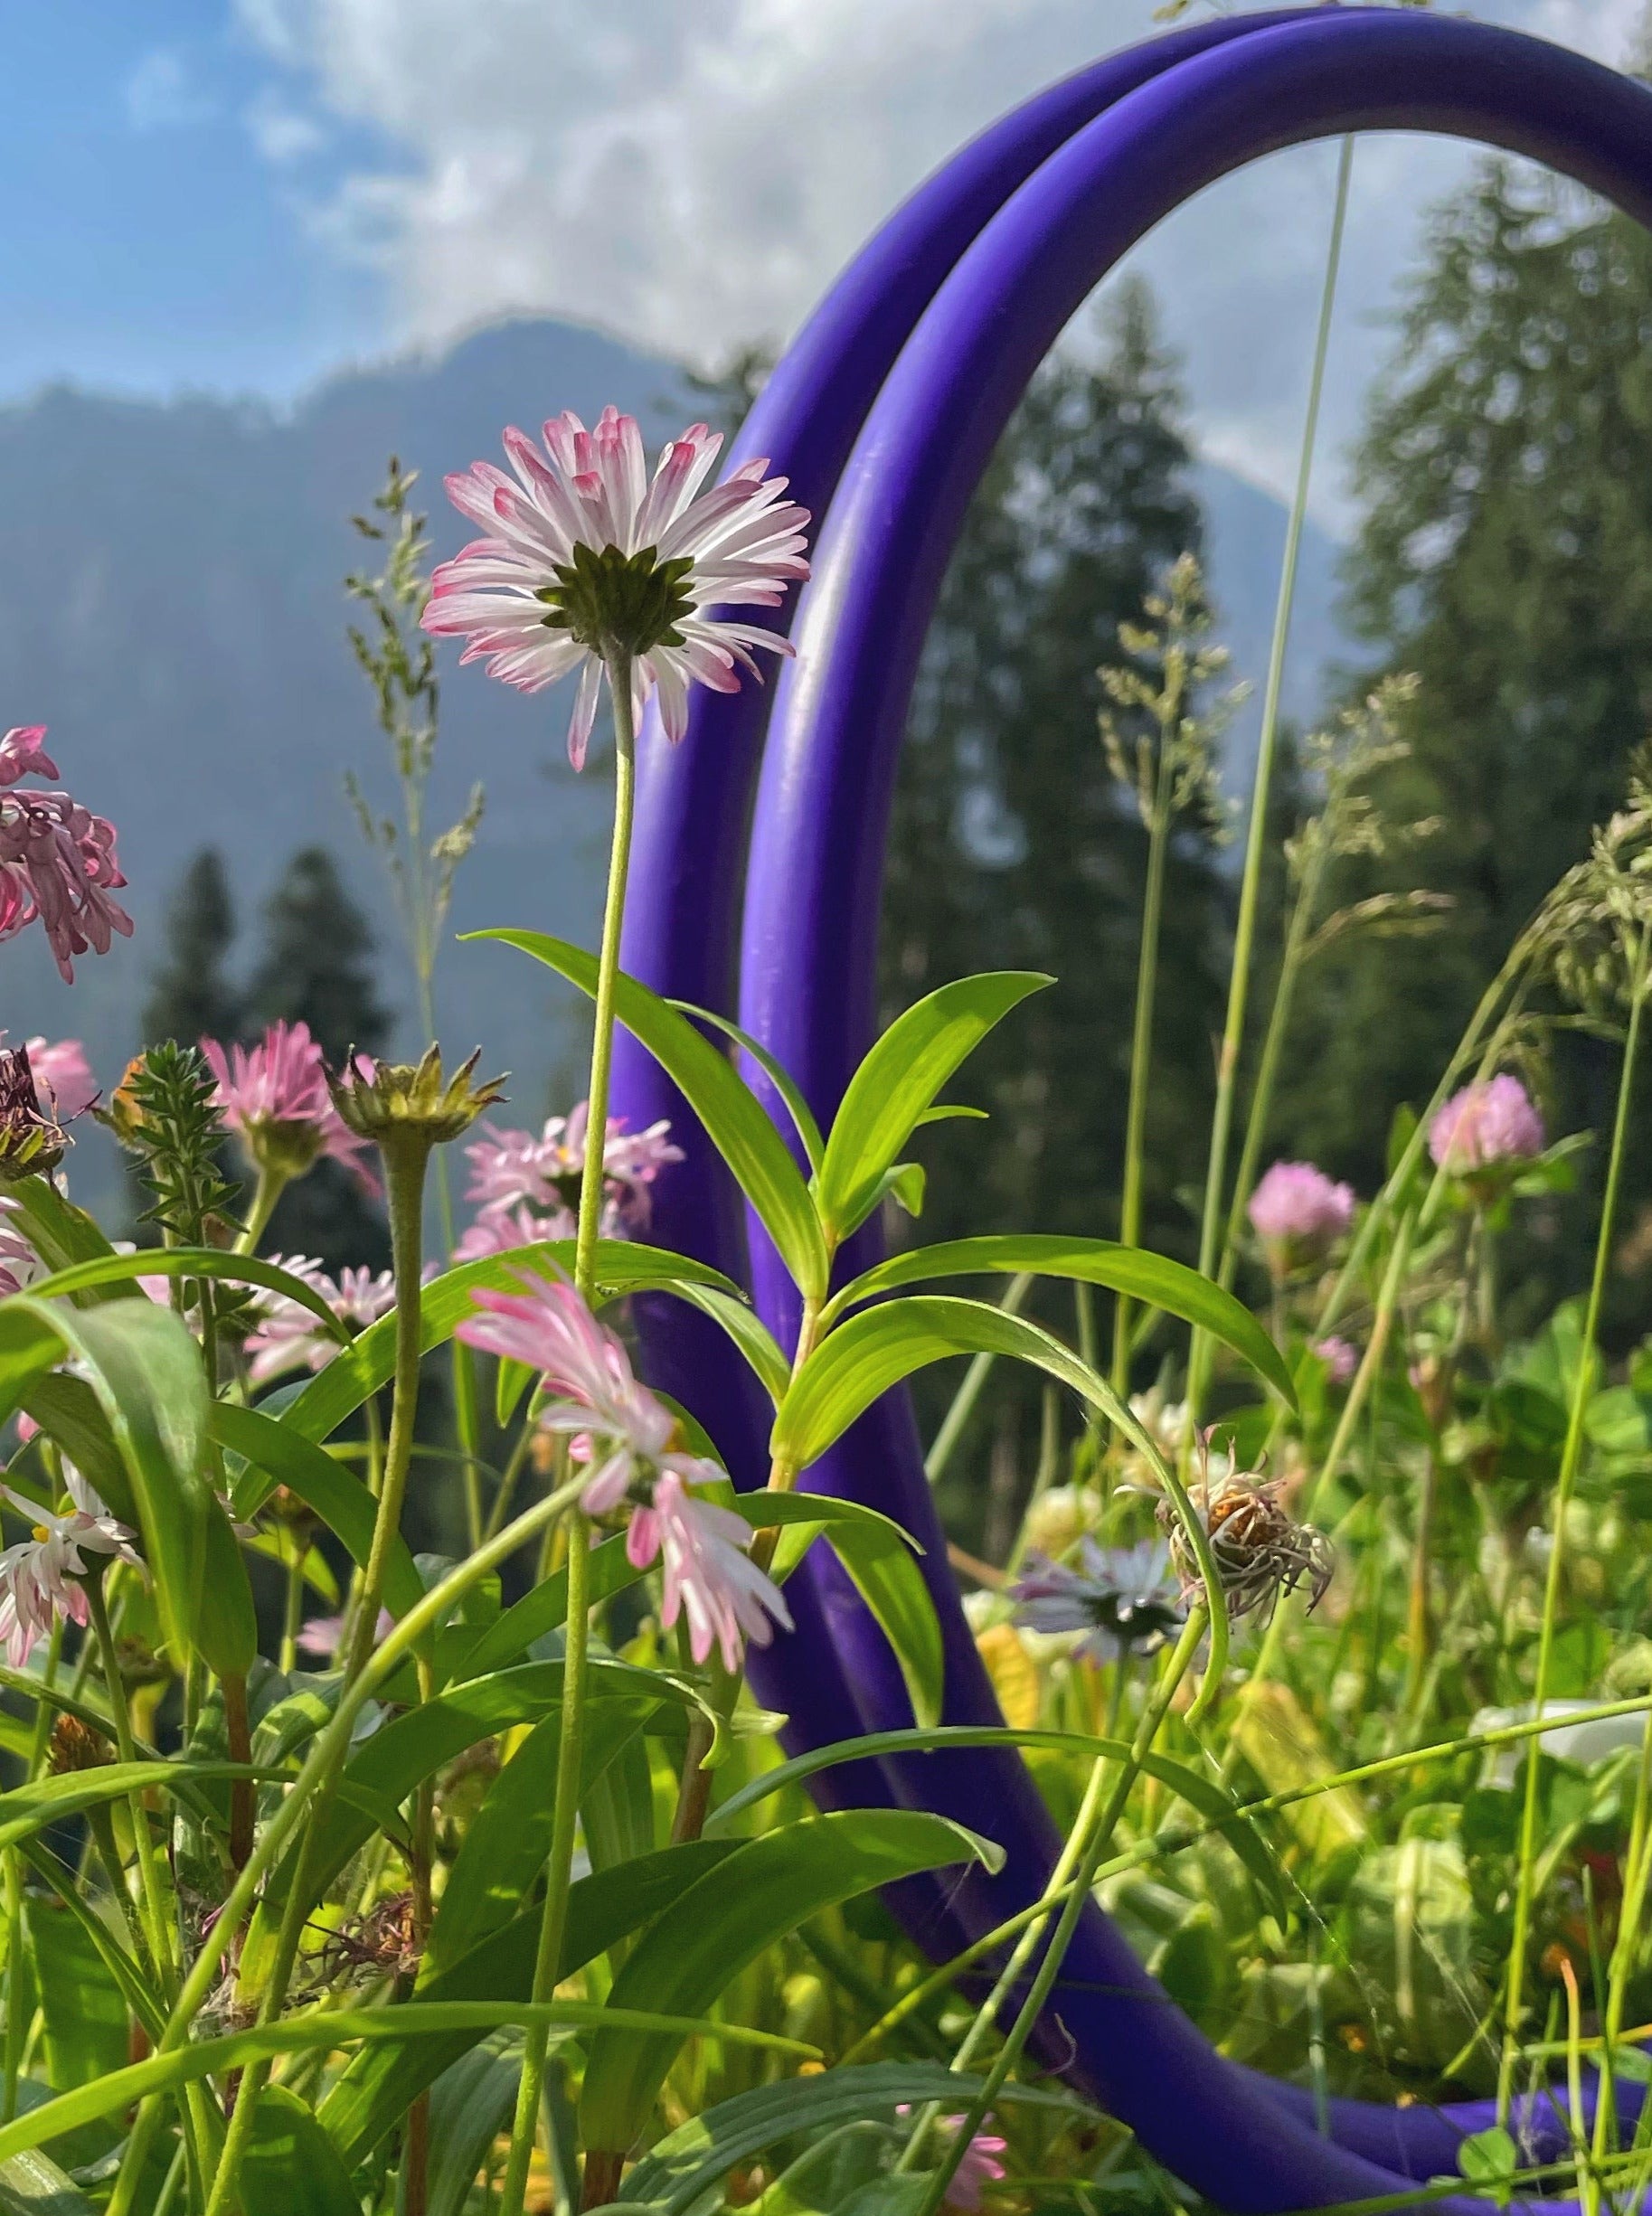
x=57 y=859
x=289 y=1337
x=978 y=2165
x=528 y=1187
x=40 y=1576
x=588 y=493
x=1299 y=1213
x=623 y=1437
x=63 y=1081
x=1340 y=1357
x=274 y=1097
x=1485 y=1125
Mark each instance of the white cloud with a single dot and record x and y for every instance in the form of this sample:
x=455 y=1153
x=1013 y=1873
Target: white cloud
x=161 y=93
x=691 y=176
x=281 y=132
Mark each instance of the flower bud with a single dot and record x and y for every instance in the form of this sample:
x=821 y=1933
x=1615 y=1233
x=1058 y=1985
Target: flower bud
x=391 y=1102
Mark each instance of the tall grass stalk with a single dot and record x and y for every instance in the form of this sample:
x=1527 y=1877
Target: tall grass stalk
x=1249 y=893
x=1087 y=1863
x=1572 y=1457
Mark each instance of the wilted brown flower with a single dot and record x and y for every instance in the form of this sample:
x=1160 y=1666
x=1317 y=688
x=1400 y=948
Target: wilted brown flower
x=76 y=1745
x=1260 y=1550
x=31 y=1141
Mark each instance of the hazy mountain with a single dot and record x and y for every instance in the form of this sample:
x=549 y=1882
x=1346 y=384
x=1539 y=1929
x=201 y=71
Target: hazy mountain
x=170 y=606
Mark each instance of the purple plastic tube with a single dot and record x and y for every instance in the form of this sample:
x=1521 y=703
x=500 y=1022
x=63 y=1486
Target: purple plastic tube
x=810 y=929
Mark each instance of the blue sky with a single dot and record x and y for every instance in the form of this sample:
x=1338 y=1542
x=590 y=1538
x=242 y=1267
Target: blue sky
x=242 y=196
x=150 y=244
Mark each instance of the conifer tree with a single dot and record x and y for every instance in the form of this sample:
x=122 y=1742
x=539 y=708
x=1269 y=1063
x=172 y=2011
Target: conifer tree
x=190 y=996
x=1011 y=844
x=317 y=969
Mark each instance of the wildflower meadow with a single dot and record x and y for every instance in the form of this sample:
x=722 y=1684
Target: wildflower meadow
x=777 y=1791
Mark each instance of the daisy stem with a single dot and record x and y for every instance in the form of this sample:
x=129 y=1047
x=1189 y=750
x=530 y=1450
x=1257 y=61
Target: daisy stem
x=1572 y=1457
x=156 y=1915
x=559 y=1863
x=272 y=1183
x=1087 y=1860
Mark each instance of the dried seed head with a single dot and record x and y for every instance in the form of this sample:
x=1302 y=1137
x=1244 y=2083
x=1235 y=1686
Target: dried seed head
x=1260 y=1551
x=76 y=1746
x=32 y=1140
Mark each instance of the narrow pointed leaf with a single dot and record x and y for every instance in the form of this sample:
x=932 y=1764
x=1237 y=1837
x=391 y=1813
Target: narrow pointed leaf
x=899 y=1080
x=735 y=1121
x=784 y=1083
x=1151 y=1279
x=766 y=1888
x=111 y=1269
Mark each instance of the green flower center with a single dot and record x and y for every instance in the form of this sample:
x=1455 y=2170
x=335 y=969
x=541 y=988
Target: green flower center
x=617 y=603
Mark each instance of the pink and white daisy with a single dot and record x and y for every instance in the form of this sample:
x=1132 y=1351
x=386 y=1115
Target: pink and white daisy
x=623 y=1436
x=528 y=1187
x=978 y=2165
x=57 y=859
x=586 y=556
x=1298 y=1215
x=274 y=1097
x=1484 y=1126
x=291 y=1336
x=39 y=1576
x=19 y=1263
x=63 y=1077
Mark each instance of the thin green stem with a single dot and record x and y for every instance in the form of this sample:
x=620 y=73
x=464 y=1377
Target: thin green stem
x=1088 y=1862
x=158 y=1925
x=1141 y=1038
x=1250 y=890
x=1571 y=1455
x=965 y=1402
x=272 y=1183
x=558 y=1865
x=1267 y=1077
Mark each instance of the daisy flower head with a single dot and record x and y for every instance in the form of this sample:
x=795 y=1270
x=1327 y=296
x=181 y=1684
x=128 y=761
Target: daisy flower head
x=625 y=1439
x=1298 y=1213
x=588 y=563
x=289 y=1337
x=40 y=1577
x=1123 y=1599
x=1485 y=1126
x=57 y=859
x=527 y=1187
x=978 y=2165
x=274 y=1097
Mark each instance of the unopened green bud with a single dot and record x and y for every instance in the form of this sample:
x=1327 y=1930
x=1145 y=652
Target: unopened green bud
x=389 y=1102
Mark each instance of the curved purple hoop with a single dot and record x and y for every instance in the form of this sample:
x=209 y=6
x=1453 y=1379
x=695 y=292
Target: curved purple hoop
x=884 y=414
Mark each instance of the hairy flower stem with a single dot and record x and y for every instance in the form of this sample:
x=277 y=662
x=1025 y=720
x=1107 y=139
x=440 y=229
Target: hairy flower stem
x=1087 y=1863
x=571 y=1742
x=1141 y=1039
x=1572 y=1457
x=1256 y=837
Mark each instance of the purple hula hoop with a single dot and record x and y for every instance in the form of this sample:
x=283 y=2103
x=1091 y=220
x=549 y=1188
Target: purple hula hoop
x=922 y=350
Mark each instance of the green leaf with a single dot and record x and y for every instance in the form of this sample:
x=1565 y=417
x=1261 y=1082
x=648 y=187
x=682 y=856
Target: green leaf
x=511 y=1380
x=32 y=2184
x=470 y=2104
x=279 y=1454
x=1151 y=1278
x=1212 y=1801
x=1489 y=2157
x=748 y=1333
x=323 y=2028
x=877 y=1349
x=132 y=1981
x=83 y=2008
x=779 y=1076
x=225 y=1620
x=735 y=1121
x=62 y=1234
x=623 y=1266
x=375 y=2091
x=144 y=1371
x=543 y=1609
x=28 y=1349
x=189 y=1262
x=291 y=2167
x=877 y=1552
x=765 y=1889
x=900 y=1079
x=29 y=1808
